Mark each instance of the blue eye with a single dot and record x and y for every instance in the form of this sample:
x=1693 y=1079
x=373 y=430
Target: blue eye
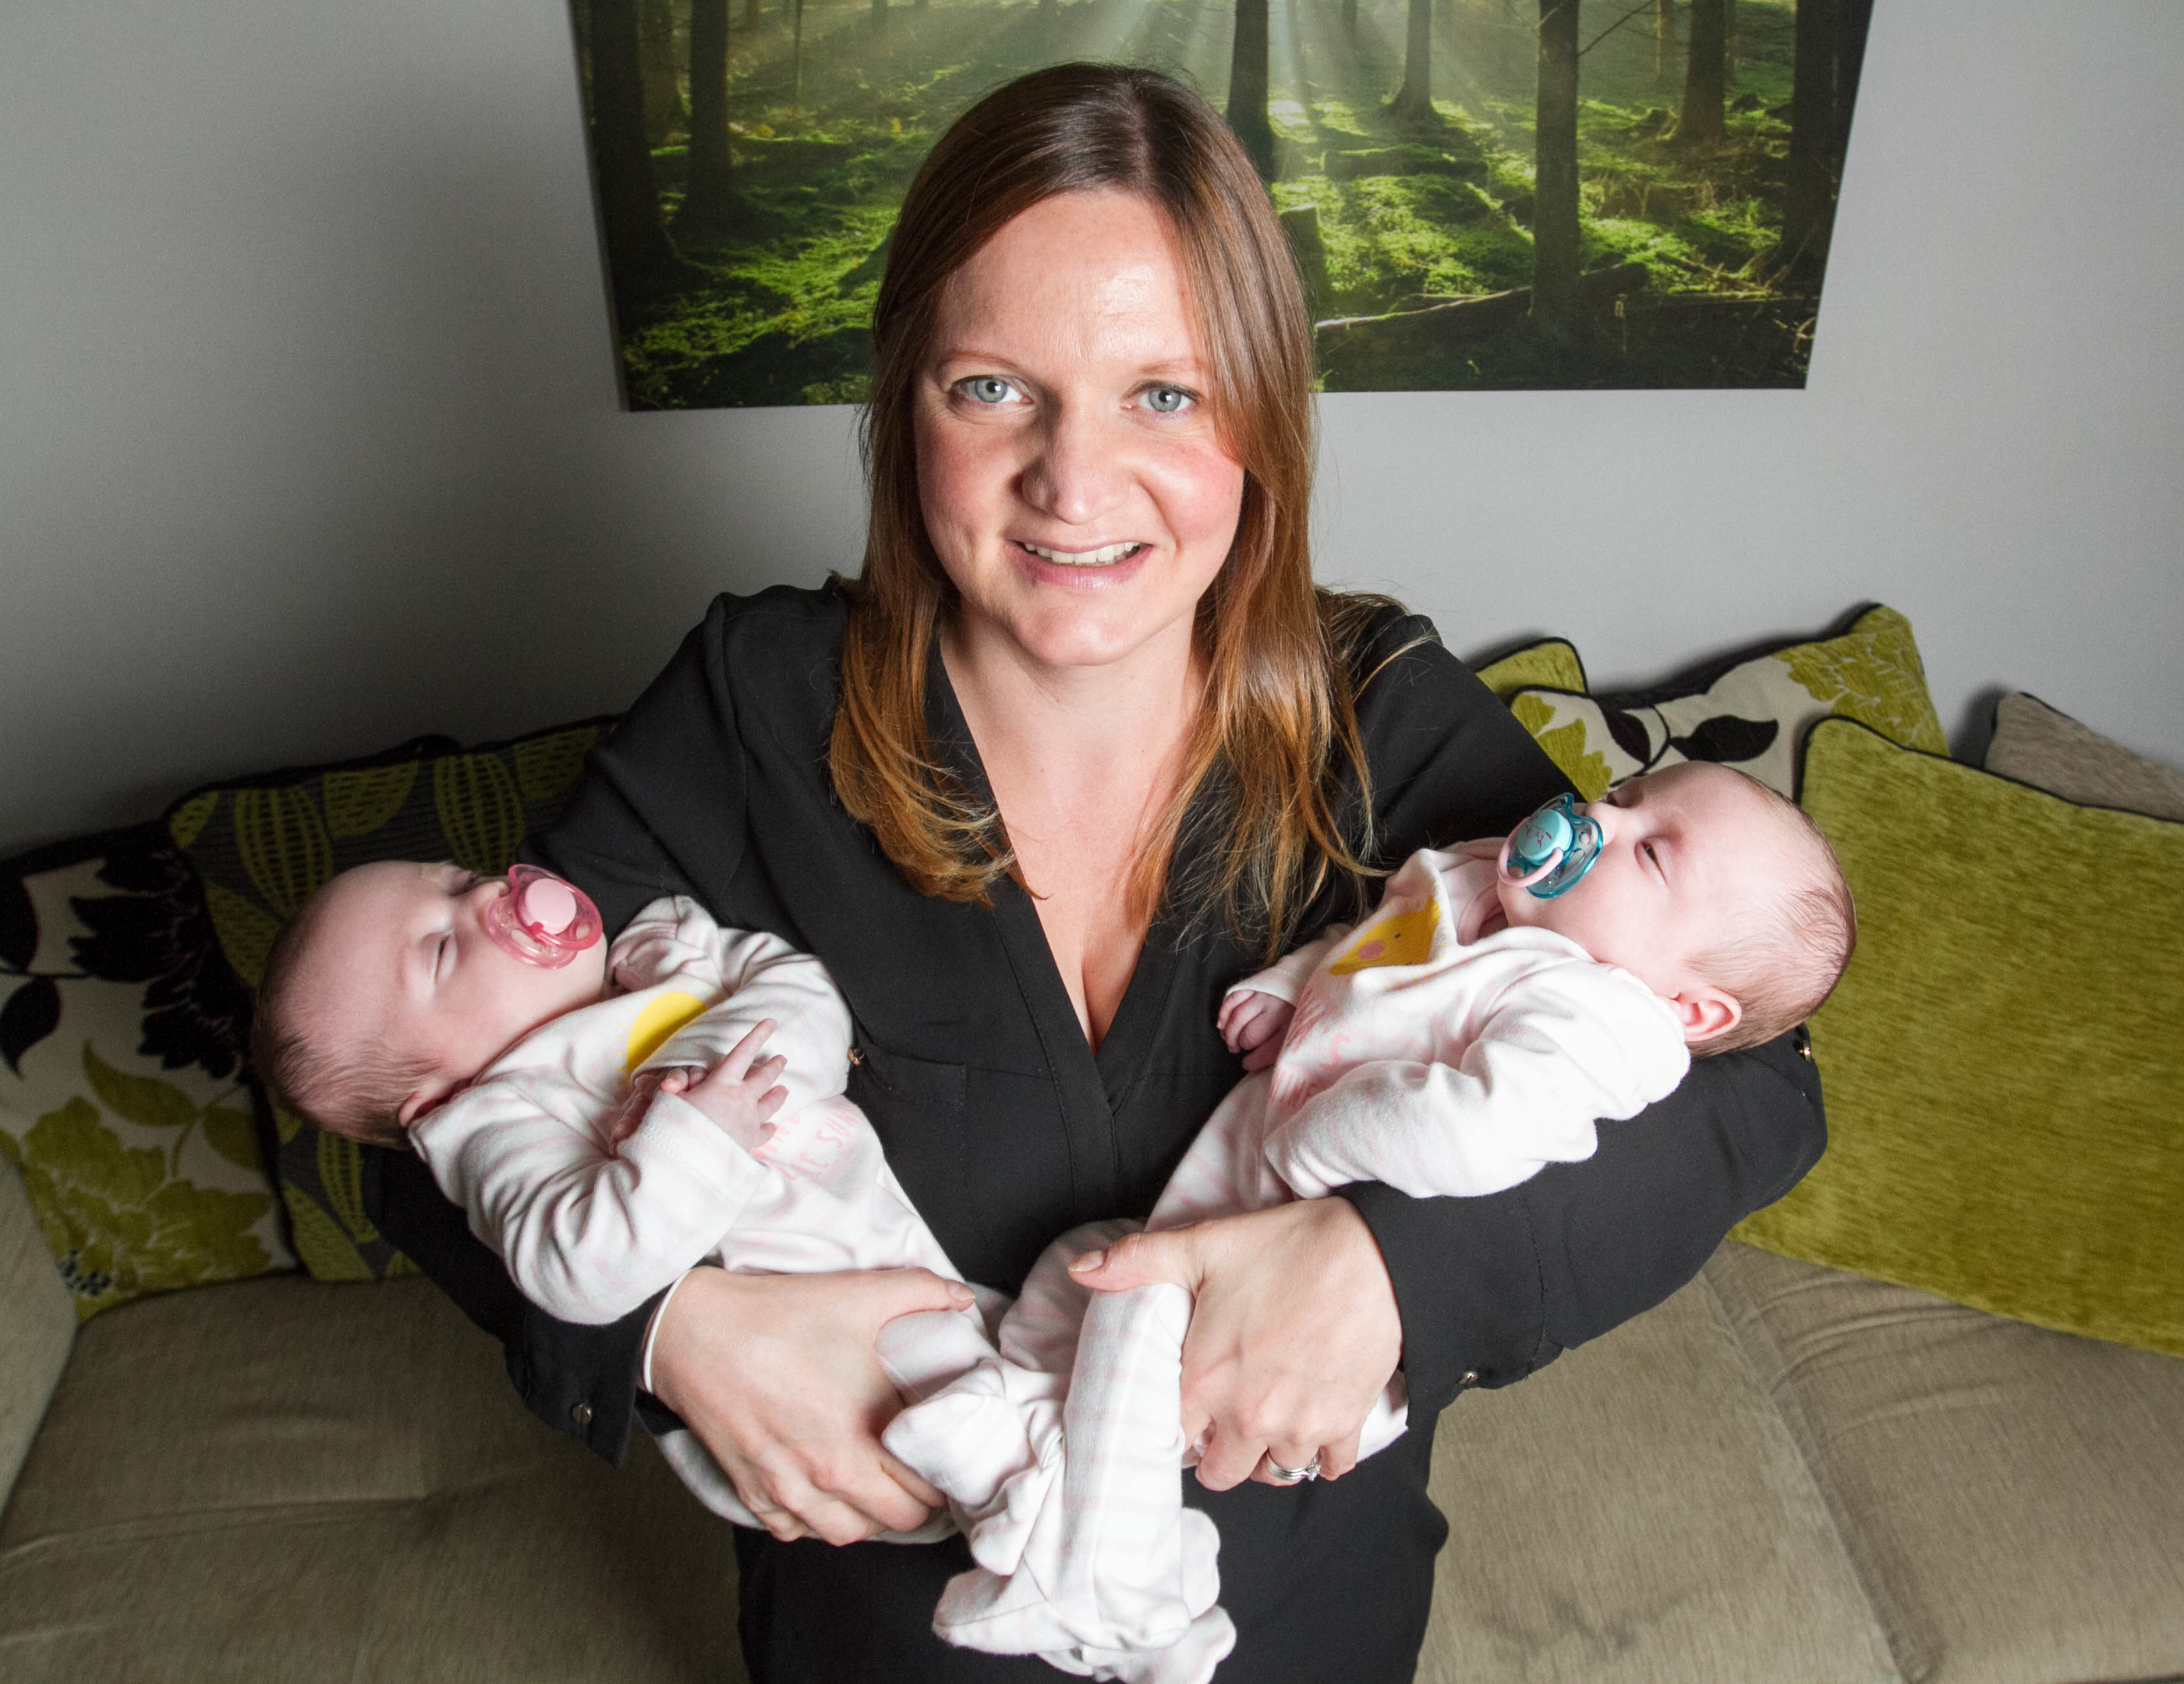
x=1167 y=400
x=987 y=388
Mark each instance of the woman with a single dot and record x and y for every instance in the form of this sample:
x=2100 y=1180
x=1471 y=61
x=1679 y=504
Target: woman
x=1080 y=747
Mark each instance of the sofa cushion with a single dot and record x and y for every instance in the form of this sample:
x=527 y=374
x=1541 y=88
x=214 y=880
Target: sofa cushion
x=2002 y=1057
x=263 y=845
x=121 y=1099
x=1635 y=1513
x=2035 y=744
x=1749 y=710
x=1551 y=664
x=37 y=1326
x=2013 y=1497
x=285 y=1480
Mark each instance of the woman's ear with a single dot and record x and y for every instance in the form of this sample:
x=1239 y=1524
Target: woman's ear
x=1707 y=1012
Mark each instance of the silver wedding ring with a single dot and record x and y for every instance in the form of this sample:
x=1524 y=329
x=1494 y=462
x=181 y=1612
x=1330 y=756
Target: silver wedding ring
x=1291 y=1477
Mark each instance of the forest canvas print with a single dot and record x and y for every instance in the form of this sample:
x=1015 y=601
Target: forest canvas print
x=1479 y=194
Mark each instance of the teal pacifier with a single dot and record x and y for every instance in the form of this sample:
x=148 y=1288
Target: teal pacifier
x=1550 y=851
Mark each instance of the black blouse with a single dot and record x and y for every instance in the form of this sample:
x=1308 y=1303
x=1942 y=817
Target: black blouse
x=1002 y=1124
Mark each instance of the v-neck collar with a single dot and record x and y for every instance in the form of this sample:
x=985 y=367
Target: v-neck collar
x=1091 y=1087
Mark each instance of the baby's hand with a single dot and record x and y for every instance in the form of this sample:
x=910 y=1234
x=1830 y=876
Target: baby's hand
x=1253 y=1024
x=644 y=1087
x=739 y=1095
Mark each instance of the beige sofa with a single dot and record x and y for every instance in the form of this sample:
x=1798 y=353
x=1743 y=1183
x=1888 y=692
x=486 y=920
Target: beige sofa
x=1783 y=1473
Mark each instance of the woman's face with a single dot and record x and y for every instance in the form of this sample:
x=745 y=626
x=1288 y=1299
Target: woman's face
x=1074 y=484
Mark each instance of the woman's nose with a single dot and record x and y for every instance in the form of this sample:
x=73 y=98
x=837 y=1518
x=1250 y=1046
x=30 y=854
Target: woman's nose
x=1078 y=475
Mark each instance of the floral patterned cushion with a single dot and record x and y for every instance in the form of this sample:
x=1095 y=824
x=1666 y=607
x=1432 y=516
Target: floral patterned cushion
x=123 y=1103
x=1751 y=712
x=263 y=846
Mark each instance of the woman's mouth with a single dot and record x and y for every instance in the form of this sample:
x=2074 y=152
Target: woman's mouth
x=1106 y=556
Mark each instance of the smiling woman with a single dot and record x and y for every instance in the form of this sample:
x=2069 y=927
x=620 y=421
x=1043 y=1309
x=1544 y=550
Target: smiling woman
x=1090 y=339
x=1080 y=747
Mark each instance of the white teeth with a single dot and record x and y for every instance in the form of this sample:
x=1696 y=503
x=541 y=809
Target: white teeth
x=1085 y=558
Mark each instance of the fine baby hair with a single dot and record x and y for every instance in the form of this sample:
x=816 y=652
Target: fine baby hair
x=1793 y=947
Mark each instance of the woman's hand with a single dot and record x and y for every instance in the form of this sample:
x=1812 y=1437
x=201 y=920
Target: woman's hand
x=1293 y=1332
x=776 y=1374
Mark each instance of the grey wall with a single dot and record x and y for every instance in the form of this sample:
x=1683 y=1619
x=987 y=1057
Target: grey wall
x=308 y=438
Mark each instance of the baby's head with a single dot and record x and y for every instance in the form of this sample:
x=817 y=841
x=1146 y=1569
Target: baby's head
x=1715 y=892
x=391 y=989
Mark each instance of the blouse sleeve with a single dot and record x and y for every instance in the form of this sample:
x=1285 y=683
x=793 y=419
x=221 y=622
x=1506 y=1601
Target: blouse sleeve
x=676 y=752
x=1492 y=1289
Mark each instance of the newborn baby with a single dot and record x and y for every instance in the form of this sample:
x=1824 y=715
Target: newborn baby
x=1475 y=1029
x=604 y=1115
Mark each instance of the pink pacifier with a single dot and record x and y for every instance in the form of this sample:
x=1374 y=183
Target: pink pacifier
x=541 y=920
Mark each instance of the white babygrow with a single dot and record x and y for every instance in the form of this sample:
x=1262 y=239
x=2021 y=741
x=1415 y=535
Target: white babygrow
x=591 y=1226
x=1419 y=1056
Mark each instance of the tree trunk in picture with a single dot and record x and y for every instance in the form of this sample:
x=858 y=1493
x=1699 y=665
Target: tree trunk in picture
x=1414 y=100
x=1808 y=211
x=796 y=54
x=663 y=99
x=751 y=16
x=1728 y=41
x=879 y=14
x=637 y=248
x=706 y=192
x=1705 y=89
x=1664 y=40
x=1349 y=19
x=1554 y=172
x=1247 y=86
x=1853 y=18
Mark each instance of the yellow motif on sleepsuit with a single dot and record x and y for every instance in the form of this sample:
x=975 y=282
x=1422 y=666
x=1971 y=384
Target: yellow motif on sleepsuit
x=1402 y=938
x=663 y=1014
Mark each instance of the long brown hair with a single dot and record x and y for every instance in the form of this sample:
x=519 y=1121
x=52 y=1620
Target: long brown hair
x=1262 y=772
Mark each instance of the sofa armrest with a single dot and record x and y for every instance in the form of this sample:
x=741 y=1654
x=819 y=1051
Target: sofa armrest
x=37 y=1326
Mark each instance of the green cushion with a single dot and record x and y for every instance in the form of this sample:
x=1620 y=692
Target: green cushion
x=1750 y=712
x=122 y=1102
x=1551 y=664
x=263 y=846
x=2002 y=1058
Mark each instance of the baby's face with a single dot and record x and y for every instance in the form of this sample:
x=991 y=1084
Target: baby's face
x=1683 y=852
x=399 y=952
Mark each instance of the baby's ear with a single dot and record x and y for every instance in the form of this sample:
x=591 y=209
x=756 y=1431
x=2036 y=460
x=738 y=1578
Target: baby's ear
x=430 y=1093
x=1707 y=1012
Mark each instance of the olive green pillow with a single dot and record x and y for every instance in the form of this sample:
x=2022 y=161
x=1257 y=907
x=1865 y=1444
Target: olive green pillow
x=1750 y=711
x=122 y=1100
x=1550 y=664
x=2004 y=1070
x=262 y=848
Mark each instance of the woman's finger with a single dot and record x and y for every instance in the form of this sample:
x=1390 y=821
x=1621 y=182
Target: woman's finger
x=1337 y=1459
x=1230 y=1459
x=1305 y=1463
x=1141 y=1260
